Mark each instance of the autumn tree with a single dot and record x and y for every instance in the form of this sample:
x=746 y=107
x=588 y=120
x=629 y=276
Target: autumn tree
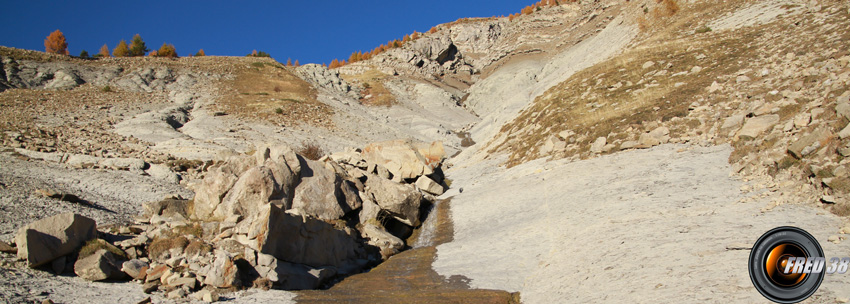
x=121 y=50
x=297 y=64
x=200 y=53
x=104 y=51
x=432 y=30
x=167 y=50
x=289 y=62
x=255 y=53
x=84 y=54
x=55 y=43
x=334 y=64
x=137 y=46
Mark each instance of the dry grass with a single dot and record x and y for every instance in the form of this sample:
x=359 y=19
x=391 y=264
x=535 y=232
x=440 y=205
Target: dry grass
x=162 y=245
x=310 y=150
x=266 y=90
x=841 y=209
x=94 y=245
x=606 y=99
x=374 y=92
x=609 y=98
x=197 y=247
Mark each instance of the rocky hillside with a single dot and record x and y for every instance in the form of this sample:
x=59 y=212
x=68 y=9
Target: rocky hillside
x=588 y=122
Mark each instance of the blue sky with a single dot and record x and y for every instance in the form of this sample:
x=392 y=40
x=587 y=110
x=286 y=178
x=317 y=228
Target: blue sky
x=311 y=31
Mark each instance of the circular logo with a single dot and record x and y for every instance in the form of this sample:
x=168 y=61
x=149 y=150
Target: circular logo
x=769 y=265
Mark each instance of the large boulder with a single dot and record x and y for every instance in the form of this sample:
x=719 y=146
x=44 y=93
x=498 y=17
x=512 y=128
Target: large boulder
x=240 y=184
x=405 y=159
x=136 y=269
x=809 y=143
x=323 y=193
x=379 y=237
x=429 y=185
x=285 y=166
x=223 y=272
x=217 y=182
x=44 y=240
x=99 y=266
x=302 y=240
x=255 y=188
x=400 y=200
x=757 y=125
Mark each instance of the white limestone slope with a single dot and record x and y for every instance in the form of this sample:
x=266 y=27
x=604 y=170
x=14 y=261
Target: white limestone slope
x=638 y=226
x=501 y=96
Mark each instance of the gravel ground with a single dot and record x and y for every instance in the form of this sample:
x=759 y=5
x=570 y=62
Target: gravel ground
x=115 y=196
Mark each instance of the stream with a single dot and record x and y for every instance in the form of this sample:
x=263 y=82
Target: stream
x=408 y=277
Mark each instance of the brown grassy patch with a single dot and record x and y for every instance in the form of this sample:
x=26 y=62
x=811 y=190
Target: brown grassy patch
x=266 y=90
x=197 y=247
x=374 y=92
x=310 y=150
x=611 y=96
x=841 y=209
x=162 y=245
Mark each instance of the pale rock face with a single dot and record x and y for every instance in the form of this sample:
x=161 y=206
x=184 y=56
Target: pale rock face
x=429 y=185
x=598 y=144
x=757 y=125
x=223 y=273
x=302 y=240
x=99 y=266
x=402 y=201
x=405 y=159
x=379 y=237
x=322 y=193
x=254 y=189
x=42 y=241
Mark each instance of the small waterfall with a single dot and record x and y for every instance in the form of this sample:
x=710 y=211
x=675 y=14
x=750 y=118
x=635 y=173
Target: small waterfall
x=428 y=230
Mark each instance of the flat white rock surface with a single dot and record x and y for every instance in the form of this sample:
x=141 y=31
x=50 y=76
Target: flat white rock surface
x=636 y=226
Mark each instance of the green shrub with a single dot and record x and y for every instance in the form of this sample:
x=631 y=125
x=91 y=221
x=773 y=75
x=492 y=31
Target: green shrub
x=704 y=29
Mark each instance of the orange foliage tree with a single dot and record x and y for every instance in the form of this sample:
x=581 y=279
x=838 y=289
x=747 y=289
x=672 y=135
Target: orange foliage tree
x=55 y=43
x=167 y=50
x=104 y=51
x=121 y=50
x=200 y=53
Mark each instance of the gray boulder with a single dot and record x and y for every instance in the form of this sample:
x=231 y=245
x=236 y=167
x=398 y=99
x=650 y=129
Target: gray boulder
x=400 y=200
x=99 y=266
x=223 y=273
x=254 y=189
x=598 y=144
x=64 y=80
x=302 y=240
x=379 y=237
x=757 y=125
x=44 y=240
x=405 y=159
x=323 y=193
x=429 y=185
x=136 y=269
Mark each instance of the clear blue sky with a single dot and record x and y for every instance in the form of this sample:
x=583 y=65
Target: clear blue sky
x=311 y=31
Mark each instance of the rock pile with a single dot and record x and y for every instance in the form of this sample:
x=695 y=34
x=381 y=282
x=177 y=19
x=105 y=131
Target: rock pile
x=272 y=219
